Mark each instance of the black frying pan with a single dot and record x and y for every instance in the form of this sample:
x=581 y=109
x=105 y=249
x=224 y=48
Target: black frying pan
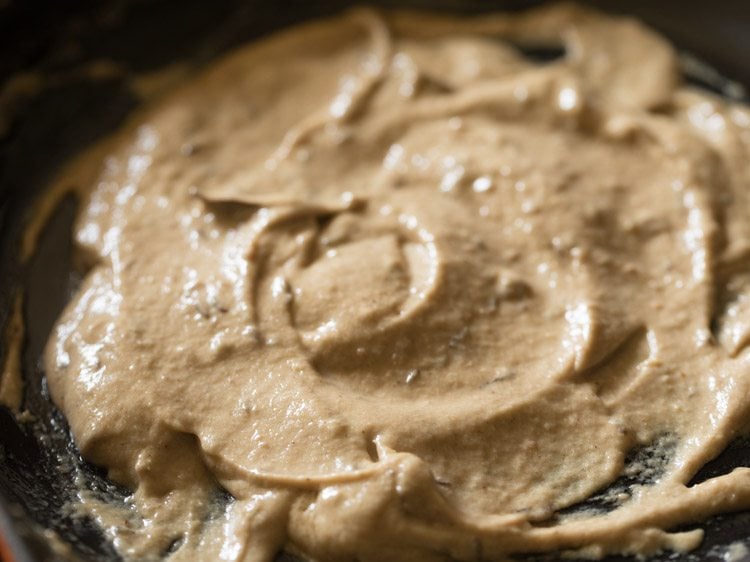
x=40 y=130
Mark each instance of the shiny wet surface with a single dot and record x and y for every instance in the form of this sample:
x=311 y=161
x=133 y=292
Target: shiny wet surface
x=46 y=448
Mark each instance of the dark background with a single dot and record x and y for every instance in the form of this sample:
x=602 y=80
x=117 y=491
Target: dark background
x=40 y=129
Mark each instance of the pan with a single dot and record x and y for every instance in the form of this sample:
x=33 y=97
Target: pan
x=70 y=72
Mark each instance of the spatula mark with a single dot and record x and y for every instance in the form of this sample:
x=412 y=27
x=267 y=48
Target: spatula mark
x=730 y=322
x=618 y=369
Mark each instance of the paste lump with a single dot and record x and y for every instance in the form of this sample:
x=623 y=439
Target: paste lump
x=382 y=288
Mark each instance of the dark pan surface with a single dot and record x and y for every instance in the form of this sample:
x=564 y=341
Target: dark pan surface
x=38 y=461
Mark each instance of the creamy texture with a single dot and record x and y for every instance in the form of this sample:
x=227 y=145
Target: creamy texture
x=405 y=294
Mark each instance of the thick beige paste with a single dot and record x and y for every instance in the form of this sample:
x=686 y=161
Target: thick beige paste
x=405 y=294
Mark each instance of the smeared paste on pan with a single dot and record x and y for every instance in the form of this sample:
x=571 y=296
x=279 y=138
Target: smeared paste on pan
x=382 y=288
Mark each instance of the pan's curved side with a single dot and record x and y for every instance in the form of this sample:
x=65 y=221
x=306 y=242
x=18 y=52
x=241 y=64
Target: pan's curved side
x=52 y=54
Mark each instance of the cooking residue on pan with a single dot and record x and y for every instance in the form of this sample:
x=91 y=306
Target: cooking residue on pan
x=382 y=288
